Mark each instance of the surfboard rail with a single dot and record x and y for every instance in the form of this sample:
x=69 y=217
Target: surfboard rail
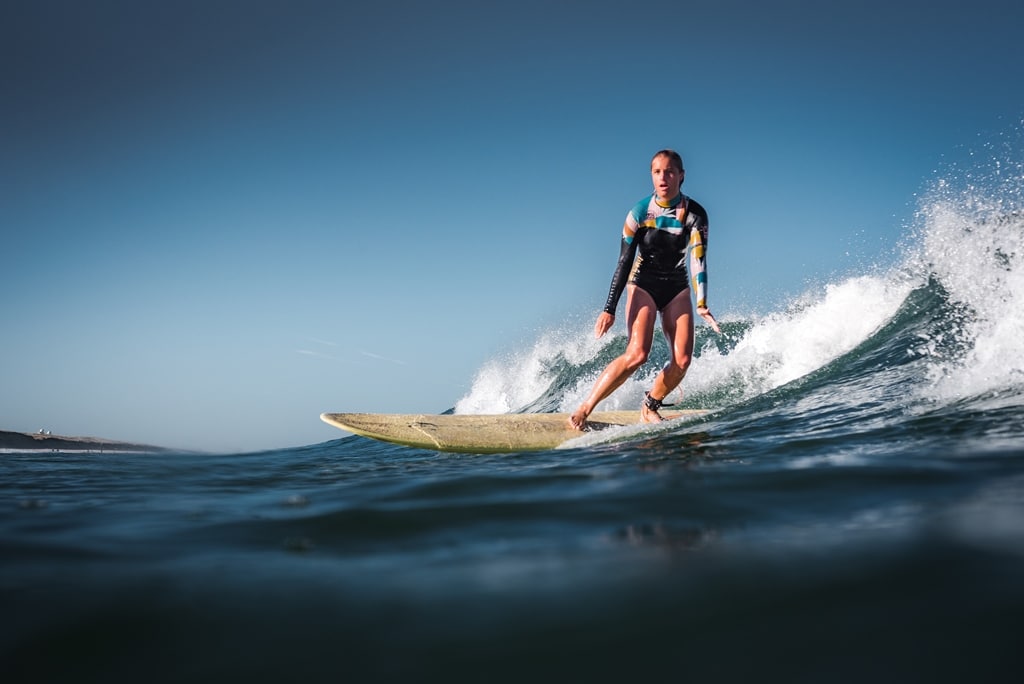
x=483 y=433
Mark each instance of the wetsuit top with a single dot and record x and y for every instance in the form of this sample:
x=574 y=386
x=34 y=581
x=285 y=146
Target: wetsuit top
x=653 y=252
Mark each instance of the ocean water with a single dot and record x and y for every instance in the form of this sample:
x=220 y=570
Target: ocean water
x=851 y=510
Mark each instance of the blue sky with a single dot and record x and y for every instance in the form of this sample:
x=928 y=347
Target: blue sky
x=223 y=218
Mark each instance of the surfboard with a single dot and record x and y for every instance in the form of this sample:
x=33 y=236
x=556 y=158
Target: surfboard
x=483 y=434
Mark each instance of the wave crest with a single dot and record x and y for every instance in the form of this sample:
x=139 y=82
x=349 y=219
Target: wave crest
x=944 y=325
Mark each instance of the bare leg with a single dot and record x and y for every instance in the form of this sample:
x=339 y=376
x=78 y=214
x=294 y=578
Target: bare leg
x=677 y=324
x=641 y=314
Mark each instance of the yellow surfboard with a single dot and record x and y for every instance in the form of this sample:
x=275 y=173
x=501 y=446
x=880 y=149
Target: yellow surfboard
x=483 y=434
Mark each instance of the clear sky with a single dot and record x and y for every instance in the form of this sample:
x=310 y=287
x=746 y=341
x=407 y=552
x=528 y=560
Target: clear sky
x=223 y=218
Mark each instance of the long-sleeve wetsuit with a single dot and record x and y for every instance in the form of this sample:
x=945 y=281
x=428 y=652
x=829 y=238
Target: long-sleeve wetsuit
x=653 y=253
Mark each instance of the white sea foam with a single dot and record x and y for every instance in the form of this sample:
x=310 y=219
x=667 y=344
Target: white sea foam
x=822 y=326
x=512 y=381
x=970 y=236
x=775 y=350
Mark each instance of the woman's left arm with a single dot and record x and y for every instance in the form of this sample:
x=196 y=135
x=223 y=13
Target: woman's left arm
x=699 y=270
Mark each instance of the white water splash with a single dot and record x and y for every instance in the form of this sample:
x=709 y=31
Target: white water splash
x=512 y=381
x=972 y=241
x=821 y=327
x=777 y=349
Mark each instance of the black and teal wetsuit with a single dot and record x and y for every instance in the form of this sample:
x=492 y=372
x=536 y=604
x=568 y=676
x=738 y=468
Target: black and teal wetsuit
x=655 y=240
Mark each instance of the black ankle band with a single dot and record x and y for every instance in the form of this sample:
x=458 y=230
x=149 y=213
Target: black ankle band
x=651 y=403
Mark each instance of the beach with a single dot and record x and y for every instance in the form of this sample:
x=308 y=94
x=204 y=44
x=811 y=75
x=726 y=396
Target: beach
x=24 y=441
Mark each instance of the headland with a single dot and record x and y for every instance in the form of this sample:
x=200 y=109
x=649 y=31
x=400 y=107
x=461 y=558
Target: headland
x=44 y=441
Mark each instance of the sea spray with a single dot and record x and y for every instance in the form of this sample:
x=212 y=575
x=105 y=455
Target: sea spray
x=969 y=236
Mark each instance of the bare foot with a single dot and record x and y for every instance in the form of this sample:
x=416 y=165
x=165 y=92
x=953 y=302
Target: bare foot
x=649 y=415
x=649 y=410
x=578 y=420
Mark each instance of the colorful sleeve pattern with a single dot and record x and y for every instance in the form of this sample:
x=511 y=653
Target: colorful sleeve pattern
x=698 y=263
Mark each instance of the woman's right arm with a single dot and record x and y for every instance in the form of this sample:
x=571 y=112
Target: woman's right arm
x=627 y=253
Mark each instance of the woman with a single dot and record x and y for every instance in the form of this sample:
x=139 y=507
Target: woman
x=652 y=270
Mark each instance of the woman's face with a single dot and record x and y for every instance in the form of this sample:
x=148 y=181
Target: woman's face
x=666 y=177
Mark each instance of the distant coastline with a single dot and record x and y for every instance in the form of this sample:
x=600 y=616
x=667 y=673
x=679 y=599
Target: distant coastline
x=22 y=441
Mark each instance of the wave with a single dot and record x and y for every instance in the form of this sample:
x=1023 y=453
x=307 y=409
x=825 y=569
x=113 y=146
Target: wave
x=944 y=325
x=974 y=247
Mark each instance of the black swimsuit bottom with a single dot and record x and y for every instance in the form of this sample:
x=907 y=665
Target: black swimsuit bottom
x=661 y=291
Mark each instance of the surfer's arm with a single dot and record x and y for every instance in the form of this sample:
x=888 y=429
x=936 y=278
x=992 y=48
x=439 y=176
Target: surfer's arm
x=627 y=253
x=699 y=265
x=699 y=272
